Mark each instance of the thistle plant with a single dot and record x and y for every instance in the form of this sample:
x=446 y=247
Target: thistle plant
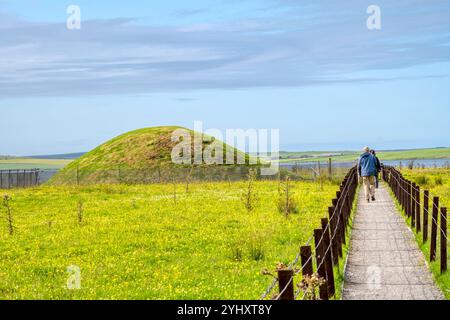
x=309 y=285
x=249 y=197
x=80 y=212
x=9 y=217
x=174 y=190
x=188 y=178
x=286 y=202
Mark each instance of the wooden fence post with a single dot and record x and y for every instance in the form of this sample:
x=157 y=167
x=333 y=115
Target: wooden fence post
x=413 y=205
x=443 y=240
x=349 y=206
x=307 y=263
x=340 y=205
x=334 y=240
x=405 y=195
x=426 y=206
x=403 y=184
x=407 y=200
x=336 y=232
x=410 y=199
x=418 y=226
x=78 y=175
x=434 y=221
x=321 y=264
x=328 y=256
x=286 y=284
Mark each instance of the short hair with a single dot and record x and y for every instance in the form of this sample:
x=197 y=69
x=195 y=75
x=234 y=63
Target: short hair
x=366 y=149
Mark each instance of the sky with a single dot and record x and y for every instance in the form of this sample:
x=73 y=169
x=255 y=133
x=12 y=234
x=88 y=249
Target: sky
x=310 y=68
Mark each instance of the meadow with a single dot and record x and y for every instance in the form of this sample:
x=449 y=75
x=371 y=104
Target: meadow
x=152 y=241
x=437 y=181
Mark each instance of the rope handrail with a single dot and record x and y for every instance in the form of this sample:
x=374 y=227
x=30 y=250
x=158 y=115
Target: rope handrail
x=417 y=202
x=337 y=209
x=325 y=253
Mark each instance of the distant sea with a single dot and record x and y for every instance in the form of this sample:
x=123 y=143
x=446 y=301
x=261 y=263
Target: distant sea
x=427 y=163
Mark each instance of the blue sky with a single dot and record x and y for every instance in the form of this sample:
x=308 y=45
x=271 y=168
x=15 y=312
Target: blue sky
x=310 y=68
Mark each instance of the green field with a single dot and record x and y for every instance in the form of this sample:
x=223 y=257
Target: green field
x=350 y=156
x=285 y=157
x=29 y=163
x=437 y=181
x=152 y=242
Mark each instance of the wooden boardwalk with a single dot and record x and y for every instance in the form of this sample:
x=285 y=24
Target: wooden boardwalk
x=385 y=262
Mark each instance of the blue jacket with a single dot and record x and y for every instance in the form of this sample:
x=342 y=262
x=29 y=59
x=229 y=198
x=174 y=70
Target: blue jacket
x=367 y=165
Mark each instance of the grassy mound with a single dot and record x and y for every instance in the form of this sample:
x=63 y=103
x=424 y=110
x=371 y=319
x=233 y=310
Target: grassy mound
x=139 y=156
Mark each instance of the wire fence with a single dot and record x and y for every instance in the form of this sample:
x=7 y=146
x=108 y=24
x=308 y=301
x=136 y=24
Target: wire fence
x=326 y=252
x=187 y=174
x=162 y=174
x=12 y=179
x=416 y=205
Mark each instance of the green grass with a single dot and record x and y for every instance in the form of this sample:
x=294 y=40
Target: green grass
x=437 y=181
x=28 y=163
x=349 y=156
x=436 y=153
x=443 y=191
x=136 y=149
x=137 y=242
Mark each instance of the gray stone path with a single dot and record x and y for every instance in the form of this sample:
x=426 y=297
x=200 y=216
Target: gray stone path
x=384 y=261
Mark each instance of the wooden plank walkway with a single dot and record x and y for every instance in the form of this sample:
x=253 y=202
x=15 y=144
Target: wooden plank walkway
x=385 y=262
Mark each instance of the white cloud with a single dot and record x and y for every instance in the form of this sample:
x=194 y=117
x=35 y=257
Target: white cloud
x=311 y=45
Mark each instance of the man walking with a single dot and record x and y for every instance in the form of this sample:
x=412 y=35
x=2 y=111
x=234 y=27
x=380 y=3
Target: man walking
x=378 y=166
x=367 y=170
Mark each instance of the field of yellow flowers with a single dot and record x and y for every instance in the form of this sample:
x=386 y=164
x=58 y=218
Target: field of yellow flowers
x=151 y=242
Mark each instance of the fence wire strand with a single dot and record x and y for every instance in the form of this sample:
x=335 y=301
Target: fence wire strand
x=418 y=202
x=338 y=208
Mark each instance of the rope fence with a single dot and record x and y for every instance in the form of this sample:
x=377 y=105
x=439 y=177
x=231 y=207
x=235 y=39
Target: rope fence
x=410 y=198
x=327 y=249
